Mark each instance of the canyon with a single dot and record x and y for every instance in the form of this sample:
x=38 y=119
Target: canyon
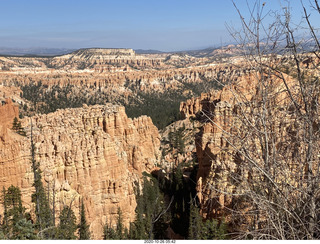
x=93 y=151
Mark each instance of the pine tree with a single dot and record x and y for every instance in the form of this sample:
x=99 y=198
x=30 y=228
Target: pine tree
x=14 y=204
x=16 y=126
x=109 y=233
x=39 y=197
x=138 y=227
x=195 y=223
x=150 y=211
x=24 y=230
x=119 y=233
x=204 y=230
x=15 y=224
x=120 y=228
x=43 y=212
x=176 y=139
x=13 y=210
x=180 y=139
x=5 y=221
x=210 y=230
x=67 y=226
x=84 y=233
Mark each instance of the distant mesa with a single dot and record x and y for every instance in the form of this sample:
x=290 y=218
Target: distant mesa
x=105 y=51
x=34 y=52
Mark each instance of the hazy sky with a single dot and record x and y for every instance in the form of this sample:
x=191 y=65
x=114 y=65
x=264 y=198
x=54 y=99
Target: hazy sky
x=165 y=25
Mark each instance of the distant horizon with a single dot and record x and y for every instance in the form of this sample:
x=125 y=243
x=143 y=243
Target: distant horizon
x=20 y=51
x=167 y=26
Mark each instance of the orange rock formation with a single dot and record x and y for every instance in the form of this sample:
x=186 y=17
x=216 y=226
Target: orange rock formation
x=95 y=153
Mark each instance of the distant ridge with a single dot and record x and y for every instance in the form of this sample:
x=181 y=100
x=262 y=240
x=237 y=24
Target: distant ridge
x=31 y=52
x=149 y=51
x=51 y=52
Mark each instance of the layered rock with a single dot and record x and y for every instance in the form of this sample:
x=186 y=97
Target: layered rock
x=92 y=153
x=83 y=59
x=230 y=124
x=8 y=111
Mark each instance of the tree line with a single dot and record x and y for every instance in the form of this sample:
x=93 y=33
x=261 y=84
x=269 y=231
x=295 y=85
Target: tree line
x=162 y=107
x=17 y=224
x=161 y=205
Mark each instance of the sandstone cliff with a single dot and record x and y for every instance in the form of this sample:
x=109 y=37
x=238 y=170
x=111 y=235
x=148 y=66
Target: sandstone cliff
x=95 y=153
x=231 y=151
x=8 y=111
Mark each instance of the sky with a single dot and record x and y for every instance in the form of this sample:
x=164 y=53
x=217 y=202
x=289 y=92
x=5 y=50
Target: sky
x=165 y=25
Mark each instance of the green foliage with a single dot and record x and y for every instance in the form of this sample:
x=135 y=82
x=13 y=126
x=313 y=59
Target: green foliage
x=47 y=101
x=117 y=233
x=154 y=215
x=180 y=210
x=163 y=108
x=67 y=226
x=176 y=139
x=211 y=230
x=24 y=230
x=150 y=216
x=16 y=126
x=39 y=198
x=195 y=223
x=109 y=233
x=15 y=225
x=204 y=230
x=42 y=210
x=2 y=235
x=120 y=230
x=84 y=233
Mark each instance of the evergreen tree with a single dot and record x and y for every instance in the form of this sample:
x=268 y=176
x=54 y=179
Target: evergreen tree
x=195 y=222
x=5 y=221
x=15 y=225
x=42 y=210
x=180 y=189
x=204 y=230
x=150 y=211
x=14 y=204
x=84 y=233
x=210 y=230
x=180 y=139
x=176 y=139
x=13 y=210
x=138 y=228
x=16 y=126
x=24 y=230
x=120 y=228
x=39 y=197
x=109 y=233
x=67 y=226
x=119 y=233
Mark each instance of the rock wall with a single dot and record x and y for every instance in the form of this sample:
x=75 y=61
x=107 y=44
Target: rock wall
x=92 y=153
x=8 y=111
x=223 y=175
